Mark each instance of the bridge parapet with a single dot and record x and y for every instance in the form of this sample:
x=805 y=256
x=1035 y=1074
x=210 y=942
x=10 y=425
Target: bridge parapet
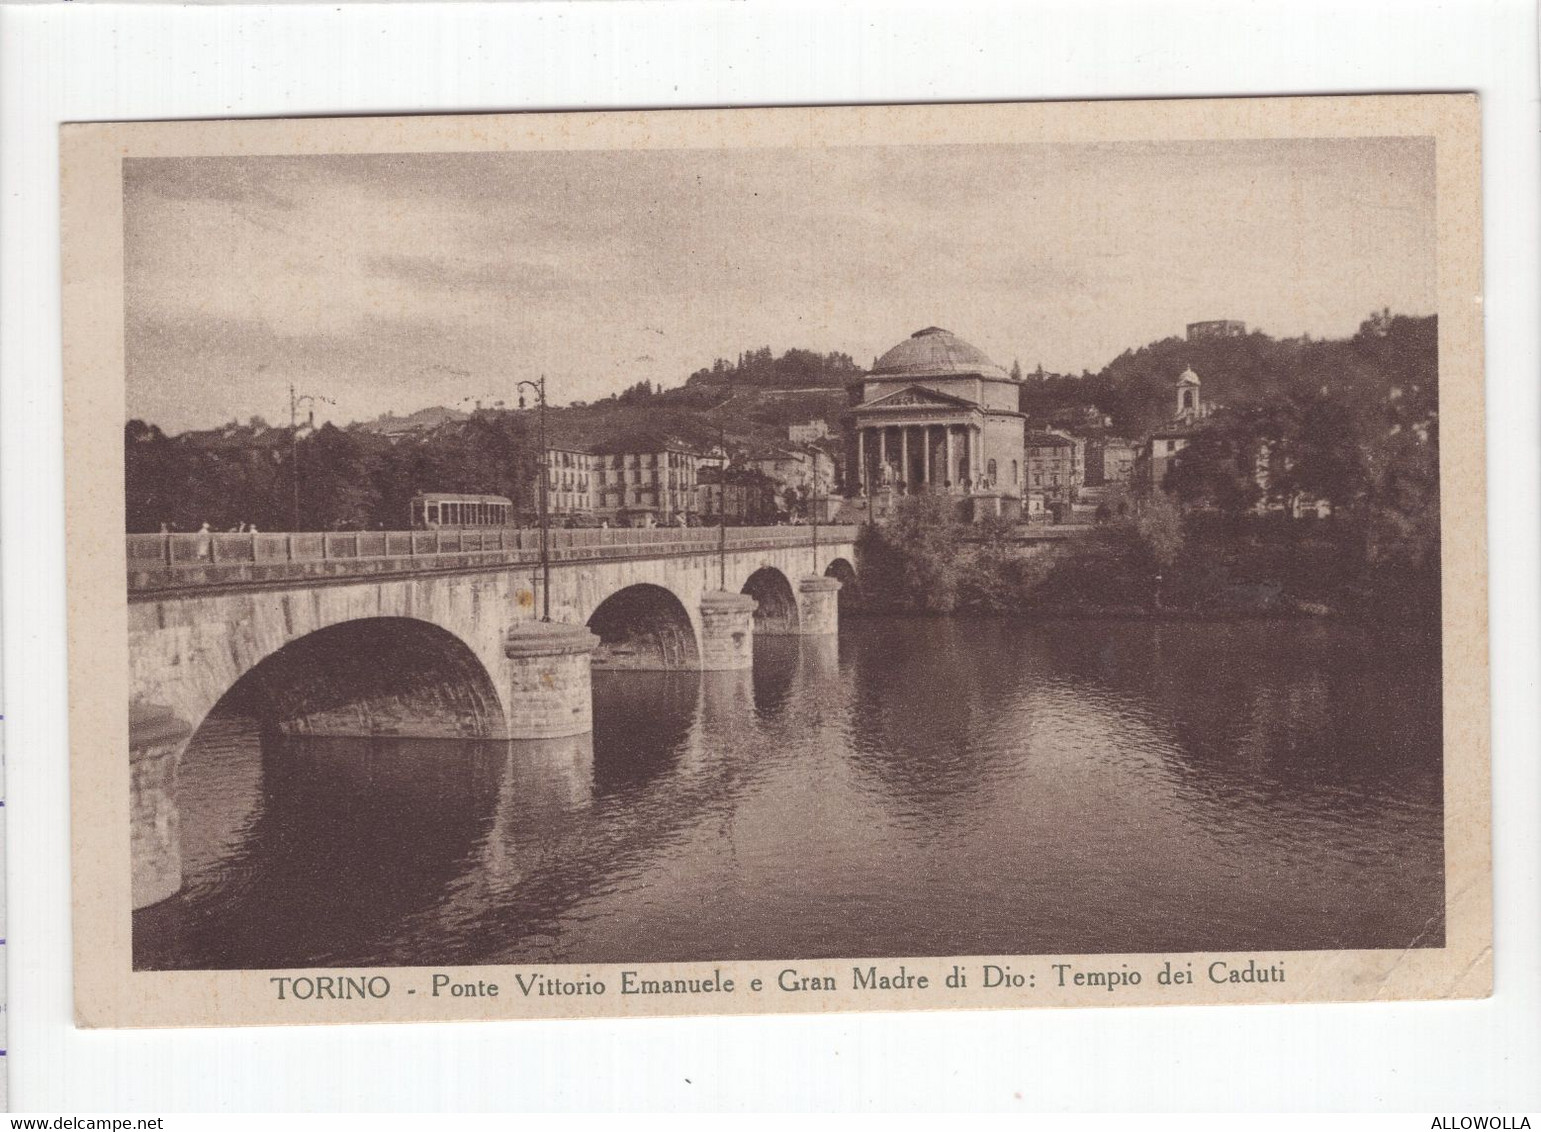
x=158 y=563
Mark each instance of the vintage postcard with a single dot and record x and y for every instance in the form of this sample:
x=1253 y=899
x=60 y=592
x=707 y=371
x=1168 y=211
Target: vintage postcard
x=850 y=558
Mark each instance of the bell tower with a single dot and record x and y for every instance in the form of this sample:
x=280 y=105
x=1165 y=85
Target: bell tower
x=1190 y=397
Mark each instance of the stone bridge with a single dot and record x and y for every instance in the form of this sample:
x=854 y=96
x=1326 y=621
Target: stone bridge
x=436 y=634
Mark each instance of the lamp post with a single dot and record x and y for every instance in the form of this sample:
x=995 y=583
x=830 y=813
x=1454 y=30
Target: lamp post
x=539 y=389
x=295 y=401
x=815 y=509
x=722 y=491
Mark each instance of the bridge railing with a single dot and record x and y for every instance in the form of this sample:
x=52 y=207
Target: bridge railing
x=156 y=561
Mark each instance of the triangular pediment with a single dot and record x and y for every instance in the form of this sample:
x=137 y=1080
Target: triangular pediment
x=917 y=396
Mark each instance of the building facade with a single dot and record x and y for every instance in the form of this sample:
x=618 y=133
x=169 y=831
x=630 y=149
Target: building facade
x=1049 y=464
x=935 y=415
x=570 y=482
x=809 y=432
x=638 y=484
x=1077 y=460
x=802 y=471
x=1109 y=460
x=1217 y=328
x=745 y=496
x=1156 y=457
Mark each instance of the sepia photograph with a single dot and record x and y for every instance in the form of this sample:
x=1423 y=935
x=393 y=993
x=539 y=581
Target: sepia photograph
x=813 y=550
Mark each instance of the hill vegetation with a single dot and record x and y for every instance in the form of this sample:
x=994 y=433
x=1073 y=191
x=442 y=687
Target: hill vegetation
x=363 y=476
x=1245 y=373
x=1352 y=421
x=795 y=369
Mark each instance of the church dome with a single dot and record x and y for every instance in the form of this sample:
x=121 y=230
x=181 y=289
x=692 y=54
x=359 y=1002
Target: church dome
x=934 y=352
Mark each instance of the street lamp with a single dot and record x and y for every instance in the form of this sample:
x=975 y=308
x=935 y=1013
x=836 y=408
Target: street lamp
x=816 y=479
x=539 y=389
x=294 y=446
x=722 y=490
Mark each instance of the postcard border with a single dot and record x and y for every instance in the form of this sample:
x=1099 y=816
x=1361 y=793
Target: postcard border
x=109 y=993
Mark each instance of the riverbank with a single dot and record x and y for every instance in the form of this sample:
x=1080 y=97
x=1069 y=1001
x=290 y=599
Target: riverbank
x=1154 y=564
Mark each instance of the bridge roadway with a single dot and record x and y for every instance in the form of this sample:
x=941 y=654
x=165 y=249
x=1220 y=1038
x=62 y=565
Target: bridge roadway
x=435 y=634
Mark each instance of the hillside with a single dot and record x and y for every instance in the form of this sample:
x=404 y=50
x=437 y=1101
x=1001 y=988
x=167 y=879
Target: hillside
x=1332 y=406
x=1136 y=388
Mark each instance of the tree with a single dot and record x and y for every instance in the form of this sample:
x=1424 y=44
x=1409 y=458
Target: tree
x=911 y=562
x=1216 y=469
x=335 y=488
x=1159 y=529
x=635 y=394
x=153 y=480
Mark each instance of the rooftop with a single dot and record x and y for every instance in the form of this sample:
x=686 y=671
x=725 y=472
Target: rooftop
x=1048 y=440
x=934 y=352
x=641 y=442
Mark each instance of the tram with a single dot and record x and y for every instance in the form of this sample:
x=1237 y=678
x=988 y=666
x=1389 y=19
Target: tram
x=433 y=510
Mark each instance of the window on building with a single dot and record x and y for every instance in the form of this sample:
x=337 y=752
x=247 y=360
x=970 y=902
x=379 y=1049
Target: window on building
x=1013 y=473
x=990 y=470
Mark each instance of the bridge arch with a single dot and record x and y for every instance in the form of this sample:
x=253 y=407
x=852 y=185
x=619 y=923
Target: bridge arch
x=843 y=572
x=644 y=626
x=777 y=612
x=372 y=676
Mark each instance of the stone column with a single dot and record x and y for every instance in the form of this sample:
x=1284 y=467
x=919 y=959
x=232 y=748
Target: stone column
x=925 y=464
x=861 y=459
x=550 y=688
x=156 y=738
x=952 y=467
x=904 y=456
x=882 y=450
x=727 y=631
x=818 y=605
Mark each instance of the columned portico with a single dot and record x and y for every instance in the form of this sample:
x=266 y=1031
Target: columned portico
x=933 y=455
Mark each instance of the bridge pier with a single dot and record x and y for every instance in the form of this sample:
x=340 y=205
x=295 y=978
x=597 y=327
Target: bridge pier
x=727 y=631
x=818 y=605
x=550 y=692
x=156 y=738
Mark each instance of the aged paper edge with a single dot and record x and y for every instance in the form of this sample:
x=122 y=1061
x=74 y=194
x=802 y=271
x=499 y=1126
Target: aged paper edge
x=109 y=993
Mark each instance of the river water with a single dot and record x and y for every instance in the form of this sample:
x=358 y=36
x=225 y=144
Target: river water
x=921 y=787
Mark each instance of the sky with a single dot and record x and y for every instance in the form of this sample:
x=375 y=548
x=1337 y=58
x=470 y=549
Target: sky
x=387 y=283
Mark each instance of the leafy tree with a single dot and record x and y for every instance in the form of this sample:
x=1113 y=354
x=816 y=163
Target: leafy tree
x=1158 y=528
x=1216 y=469
x=795 y=369
x=336 y=490
x=151 y=480
x=911 y=561
x=636 y=394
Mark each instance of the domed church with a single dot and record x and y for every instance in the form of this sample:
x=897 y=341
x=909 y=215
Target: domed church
x=935 y=415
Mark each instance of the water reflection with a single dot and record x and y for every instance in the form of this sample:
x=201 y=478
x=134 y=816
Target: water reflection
x=914 y=787
x=642 y=721
x=349 y=836
x=776 y=661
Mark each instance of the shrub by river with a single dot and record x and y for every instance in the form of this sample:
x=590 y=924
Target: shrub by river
x=1154 y=561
